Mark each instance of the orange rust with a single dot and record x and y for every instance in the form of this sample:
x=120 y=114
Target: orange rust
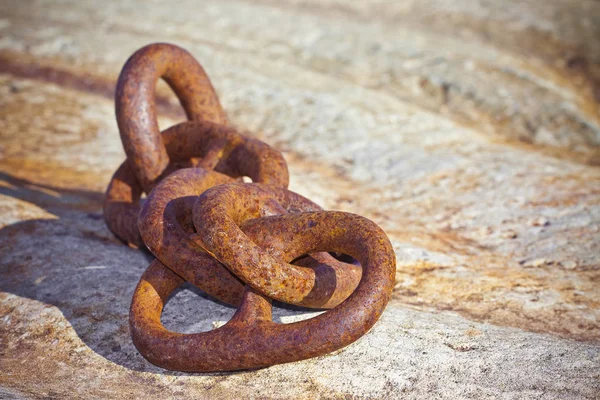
x=258 y=340
x=136 y=109
x=233 y=240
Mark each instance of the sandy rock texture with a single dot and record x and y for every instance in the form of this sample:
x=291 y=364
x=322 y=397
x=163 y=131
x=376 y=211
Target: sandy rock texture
x=468 y=130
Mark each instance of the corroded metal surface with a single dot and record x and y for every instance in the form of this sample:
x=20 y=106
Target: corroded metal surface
x=250 y=339
x=151 y=155
x=218 y=217
x=136 y=109
x=166 y=226
x=192 y=144
x=242 y=243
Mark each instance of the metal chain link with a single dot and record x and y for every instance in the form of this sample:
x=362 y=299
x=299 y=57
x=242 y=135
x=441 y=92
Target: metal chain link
x=242 y=243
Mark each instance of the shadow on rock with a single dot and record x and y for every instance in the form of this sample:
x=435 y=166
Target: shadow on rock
x=75 y=263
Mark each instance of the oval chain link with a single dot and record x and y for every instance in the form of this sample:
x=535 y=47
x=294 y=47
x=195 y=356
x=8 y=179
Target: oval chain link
x=242 y=243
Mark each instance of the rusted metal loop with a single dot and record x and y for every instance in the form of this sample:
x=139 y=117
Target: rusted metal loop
x=232 y=153
x=217 y=146
x=136 y=109
x=251 y=339
x=165 y=223
x=218 y=215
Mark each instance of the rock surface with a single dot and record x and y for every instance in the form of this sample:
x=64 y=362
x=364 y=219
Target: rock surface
x=469 y=130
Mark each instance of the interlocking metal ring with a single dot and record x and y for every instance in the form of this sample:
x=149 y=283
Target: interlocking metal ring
x=136 y=109
x=251 y=339
x=165 y=219
x=243 y=243
x=218 y=218
x=316 y=281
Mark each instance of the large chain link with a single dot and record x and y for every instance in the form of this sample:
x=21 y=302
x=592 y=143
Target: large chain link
x=242 y=243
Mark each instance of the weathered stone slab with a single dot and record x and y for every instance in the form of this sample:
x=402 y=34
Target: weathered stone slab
x=65 y=333
x=469 y=131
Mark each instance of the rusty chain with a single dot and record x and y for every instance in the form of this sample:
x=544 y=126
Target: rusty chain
x=242 y=243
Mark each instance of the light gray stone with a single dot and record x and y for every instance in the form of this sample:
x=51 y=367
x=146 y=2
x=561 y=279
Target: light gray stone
x=468 y=130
